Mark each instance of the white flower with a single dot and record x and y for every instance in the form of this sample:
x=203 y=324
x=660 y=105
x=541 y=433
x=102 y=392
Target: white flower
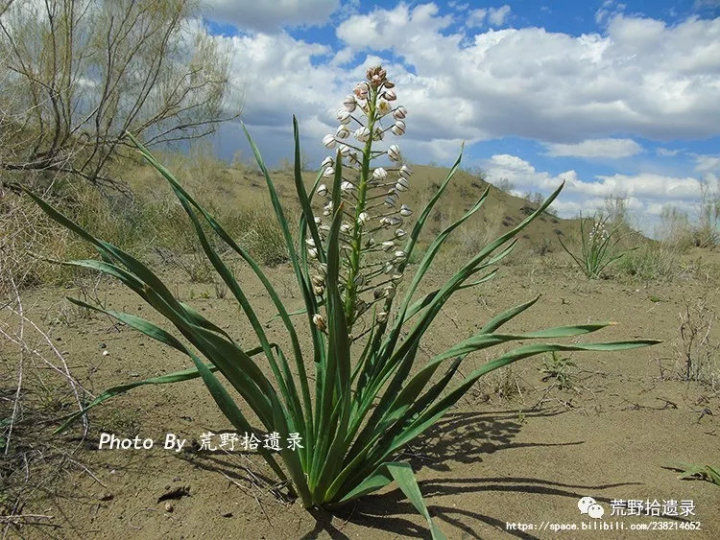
x=343 y=116
x=347 y=187
x=362 y=134
x=388 y=245
x=329 y=141
x=319 y=321
x=389 y=268
x=344 y=149
x=329 y=171
x=345 y=228
x=405 y=210
x=381 y=317
x=400 y=255
x=390 y=201
x=379 y=174
x=394 y=152
x=318 y=280
x=349 y=103
x=402 y=184
x=379 y=134
x=383 y=107
x=327 y=162
x=399 y=128
x=389 y=291
x=363 y=218
x=405 y=171
x=322 y=190
x=312 y=253
x=400 y=233
x=400 y=113
x=318 y=290
x=310 y=242
x=342 y=132
x=390 y=95
x=318 y=221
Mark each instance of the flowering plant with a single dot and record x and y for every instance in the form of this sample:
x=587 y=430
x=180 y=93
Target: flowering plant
x=596 y=247
x=349 y=257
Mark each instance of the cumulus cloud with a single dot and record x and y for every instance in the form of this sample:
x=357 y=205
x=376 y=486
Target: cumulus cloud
x=642 y=76
x=596 y=148
x=646 y=194
x=269 y=16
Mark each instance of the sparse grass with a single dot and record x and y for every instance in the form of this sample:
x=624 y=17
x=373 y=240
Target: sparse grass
x=598 y=246
x=698 y=354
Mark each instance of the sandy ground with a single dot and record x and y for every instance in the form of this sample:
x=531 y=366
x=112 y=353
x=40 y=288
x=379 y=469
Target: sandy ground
x=511 y=460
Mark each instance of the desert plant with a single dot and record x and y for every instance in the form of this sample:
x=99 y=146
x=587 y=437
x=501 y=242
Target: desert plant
x=596 y=247
x=696 y=349
x=558 y=367
x=367 y=403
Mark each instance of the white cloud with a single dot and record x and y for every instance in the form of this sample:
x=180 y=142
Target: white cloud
x=645 y=193
x=269 y=16
x=596 y=148
x=642 y=77
x=492 y=16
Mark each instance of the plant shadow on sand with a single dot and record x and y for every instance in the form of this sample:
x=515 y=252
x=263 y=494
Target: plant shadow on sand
x=464 y=437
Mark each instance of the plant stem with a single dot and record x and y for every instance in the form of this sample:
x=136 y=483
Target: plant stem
x=357 y=234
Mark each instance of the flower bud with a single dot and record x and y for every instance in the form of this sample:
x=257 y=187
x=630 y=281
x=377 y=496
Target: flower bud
x=379 y=174
x=400 y=113
x=318 y=290
x=327 y=162
x=349 y=103
x=361 y=90
x=399 y=128
x=383 y=107
x=388 y=245
x=400 y=255
x=345 y=228
x=405 y=171
x=378 y=134
x=344 y=149
x=347 y=187
x=399 y=233
x=363 y=218
x=405 y=210
x=343 y=116
x=313 y=253
x=390 y=201
x=389 y=268
x=343 y=132
x=402 y=184
x=329 y=141
x=310 y=242
x=394 y=152
x=362 y=134
x=390 y=95
x=389 y=84
x=322 y=190
x=381 y=317
x=389 y=291
x=329 y=171
x=318 y=281
x=318 y=221
x=319 y=321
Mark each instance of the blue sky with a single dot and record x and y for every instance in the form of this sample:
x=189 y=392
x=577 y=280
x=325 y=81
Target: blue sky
x=615 y=98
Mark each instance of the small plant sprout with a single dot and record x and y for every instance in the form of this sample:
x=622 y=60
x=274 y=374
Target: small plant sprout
x=364 y=317
x=596 y=247
x=558 y=368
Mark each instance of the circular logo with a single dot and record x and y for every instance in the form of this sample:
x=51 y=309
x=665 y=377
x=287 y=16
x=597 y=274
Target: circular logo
x=585 y=503
x=595 y=511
